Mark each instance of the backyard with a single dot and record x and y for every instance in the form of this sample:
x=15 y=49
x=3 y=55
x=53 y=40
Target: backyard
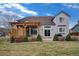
x=54 y=48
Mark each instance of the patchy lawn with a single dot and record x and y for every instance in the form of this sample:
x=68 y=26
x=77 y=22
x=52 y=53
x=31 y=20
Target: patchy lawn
x=39 y=48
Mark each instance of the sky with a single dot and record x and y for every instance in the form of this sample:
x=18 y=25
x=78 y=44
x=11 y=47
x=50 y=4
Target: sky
x=42 y=9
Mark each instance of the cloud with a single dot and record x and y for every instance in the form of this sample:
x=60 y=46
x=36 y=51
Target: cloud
x=49 y=14
x=13 y=13
x=29 y=12
x=4 y=8
x=5 y=11
x=1 y=6
x=16 y=5
x=73 y=6
x=7 y=5
x=23 y=9
x=21 y=16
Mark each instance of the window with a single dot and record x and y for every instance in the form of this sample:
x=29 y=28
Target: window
x=61 y=25
x=47 y=32
x=47 y=26
x=33 y=31
x=61 y=19
x=61 y=29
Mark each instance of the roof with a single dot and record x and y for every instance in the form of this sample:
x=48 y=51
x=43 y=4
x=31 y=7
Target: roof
x=63 y=12
x=44 y=20
x=75 y=28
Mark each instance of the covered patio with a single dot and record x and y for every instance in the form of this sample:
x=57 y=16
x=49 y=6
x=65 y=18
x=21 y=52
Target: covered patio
x=21 y=29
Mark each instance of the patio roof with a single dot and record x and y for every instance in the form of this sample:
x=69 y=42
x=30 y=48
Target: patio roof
x=26 y=23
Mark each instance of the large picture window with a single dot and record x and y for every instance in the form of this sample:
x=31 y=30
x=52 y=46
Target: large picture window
x=47 y=32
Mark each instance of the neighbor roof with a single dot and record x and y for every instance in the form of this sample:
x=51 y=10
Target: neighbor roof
x=75 y=28
x=44 y=20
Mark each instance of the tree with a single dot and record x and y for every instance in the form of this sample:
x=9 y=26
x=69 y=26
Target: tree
x=25 y=39
x=55 y=38
x=6 y=17
x=39 y=38
x=68 y=38
x=12 y=39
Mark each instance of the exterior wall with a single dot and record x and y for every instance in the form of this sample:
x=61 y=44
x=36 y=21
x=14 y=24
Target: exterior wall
x=17 y=31
x=13 y=31
x=65 y=22
x=52 y=32
x=20 y=32
x=55 y=29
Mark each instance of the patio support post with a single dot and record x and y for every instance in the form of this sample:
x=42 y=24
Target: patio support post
x=25 y=30
x=29 y=30
x=38 y=30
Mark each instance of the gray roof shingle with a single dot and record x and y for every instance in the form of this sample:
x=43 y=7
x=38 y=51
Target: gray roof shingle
x=44 y=20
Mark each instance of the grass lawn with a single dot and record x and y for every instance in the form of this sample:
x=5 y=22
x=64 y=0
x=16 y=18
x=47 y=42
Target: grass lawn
x=39 y=48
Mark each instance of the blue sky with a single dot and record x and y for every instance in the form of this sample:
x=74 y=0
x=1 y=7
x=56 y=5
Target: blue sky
x=42 y=9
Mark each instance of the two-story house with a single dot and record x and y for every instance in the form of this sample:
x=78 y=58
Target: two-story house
x=46 y=26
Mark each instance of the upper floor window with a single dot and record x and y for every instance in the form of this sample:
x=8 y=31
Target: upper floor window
x=61 y=19
x=61 y=29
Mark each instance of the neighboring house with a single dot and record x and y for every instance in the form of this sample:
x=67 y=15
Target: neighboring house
x=3 y=32
x=46 y=26
x=75 y=30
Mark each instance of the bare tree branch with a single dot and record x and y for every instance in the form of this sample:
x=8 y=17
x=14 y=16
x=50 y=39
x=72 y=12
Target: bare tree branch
x=5 y=18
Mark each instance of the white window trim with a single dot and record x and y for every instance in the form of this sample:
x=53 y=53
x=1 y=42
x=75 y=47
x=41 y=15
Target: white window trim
x=62 y=31
x=61 y=20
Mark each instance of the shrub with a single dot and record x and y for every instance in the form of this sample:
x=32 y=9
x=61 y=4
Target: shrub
x=55 y=38
x=25 y=39
x=61 y=38
x=68 y=38
x=32 y=39
x=18 y=39
x=39 y=38
x=12 y=40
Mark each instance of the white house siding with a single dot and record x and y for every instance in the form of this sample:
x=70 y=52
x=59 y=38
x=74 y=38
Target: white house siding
x=55 y=28
x=65 y=22
x=52 y=32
